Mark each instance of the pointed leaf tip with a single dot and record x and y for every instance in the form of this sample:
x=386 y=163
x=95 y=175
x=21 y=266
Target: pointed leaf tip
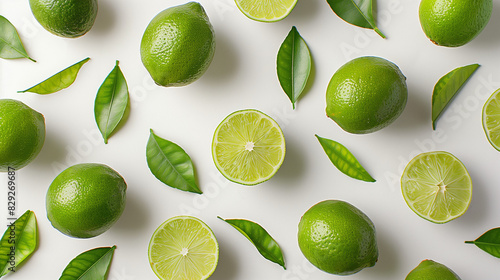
x=58 y=81
x=260 y=238
x=170 y=164
x=344 y=160
x=489 y=242
x=11 y=46
x=89 y=265
x=380 y=33
x=356 y=12
x=447 y=88
x=25 y=230
x=111 y=102
x=293 y=65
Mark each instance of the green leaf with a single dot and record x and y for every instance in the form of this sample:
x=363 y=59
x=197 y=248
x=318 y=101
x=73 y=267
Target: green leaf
x=447 y=87
x=20 y=239
x=11 y=46
x=489 y=242
x=356 y=12
x=259 y=237
x=171 y=164
x=90 y=265
x=59 y=81
x=111 y=102
x=293 y=65
x=342 y=158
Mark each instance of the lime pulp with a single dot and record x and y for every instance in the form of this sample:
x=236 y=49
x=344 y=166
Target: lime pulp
x=183 y=248
x=248 y=147
x=437 y=186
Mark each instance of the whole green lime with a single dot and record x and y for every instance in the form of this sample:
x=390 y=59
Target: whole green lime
x=338 y=238
x=178 y=45
x=85 y=200
x=22 y=134
x=454 y=23
x=366 y=94
x=65 y=18
x=431 y=270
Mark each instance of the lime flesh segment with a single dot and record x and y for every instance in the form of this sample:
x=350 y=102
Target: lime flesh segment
x=491 y=119
x=437 y=186
x=248 y=147
x=266 y=10
x=183 y=248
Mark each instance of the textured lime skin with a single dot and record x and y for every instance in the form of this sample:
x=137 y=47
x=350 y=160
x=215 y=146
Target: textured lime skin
x=431 y=270
x=366 y=94
x=85 y=200
x=22 y=134
x=172 y=235
x=248 y=165
x=338 y=238
x=266 y=11
x=491 y=119
x=454 y=23
x=65 y=18
x=437 y=186
x=178 y=45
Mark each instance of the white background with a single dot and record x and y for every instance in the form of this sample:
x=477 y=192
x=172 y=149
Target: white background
x=243 y=75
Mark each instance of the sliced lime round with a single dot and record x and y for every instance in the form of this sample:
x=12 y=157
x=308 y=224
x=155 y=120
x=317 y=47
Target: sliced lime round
x=266 y=10
x=183 y=248
x=491 y=119
x=436 y=186
x=248 y=147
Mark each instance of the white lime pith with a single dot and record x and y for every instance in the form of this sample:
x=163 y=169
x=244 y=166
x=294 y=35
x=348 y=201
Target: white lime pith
x=248 y=147
x=266 y=10
x=183 y=248
x=437 y=186
x=491 y=119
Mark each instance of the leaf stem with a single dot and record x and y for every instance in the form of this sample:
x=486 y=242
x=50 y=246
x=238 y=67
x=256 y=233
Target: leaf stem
x=379 y=32
x=483 y=243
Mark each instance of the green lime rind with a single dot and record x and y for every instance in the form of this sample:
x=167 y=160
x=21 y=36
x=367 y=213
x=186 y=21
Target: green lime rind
x=429 y=269
x=22 y=134
x=491 y=119
x=454 y=23
x=437 y=187
x=171 y=244
x=263 y=11
x=254 y=164
x=178 y=45
x=65 y=18
x=338 y=238
x=85 y=200
x=366 y=94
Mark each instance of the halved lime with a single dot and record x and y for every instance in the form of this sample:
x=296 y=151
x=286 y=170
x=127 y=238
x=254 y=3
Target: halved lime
x=183 y=248
x=266 y=10
x=491 y=119
x=436 y=186
x=248 y=147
